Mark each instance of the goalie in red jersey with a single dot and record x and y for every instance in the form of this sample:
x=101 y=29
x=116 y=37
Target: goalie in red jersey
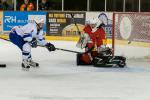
x=93 y=40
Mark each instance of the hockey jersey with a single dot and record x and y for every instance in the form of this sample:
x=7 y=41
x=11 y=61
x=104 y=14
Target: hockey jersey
x=29 y=31
x=97 y=36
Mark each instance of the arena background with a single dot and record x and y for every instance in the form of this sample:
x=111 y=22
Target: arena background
x=126 y=21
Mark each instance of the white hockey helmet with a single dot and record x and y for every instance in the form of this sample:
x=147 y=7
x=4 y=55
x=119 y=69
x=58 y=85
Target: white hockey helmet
x=39 y=20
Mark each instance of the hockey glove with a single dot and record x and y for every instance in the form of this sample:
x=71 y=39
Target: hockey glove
x=50 y=47
x=33 y=43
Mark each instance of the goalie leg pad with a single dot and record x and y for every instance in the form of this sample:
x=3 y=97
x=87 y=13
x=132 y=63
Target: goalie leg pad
x=83 y=59
x=101 y=62
x=121 y=61
x=109 y=61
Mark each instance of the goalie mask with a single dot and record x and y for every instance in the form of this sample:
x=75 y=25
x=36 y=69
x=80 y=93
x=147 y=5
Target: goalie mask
x=84 y=39
x=95 y=23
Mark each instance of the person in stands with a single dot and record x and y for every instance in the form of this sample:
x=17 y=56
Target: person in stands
x=5 y=6
x=27 y=6
x=44 y=5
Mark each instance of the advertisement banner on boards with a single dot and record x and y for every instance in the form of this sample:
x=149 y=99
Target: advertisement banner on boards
x=11 y=19
x=1 y=22
x=63 y=23
x=105 y=17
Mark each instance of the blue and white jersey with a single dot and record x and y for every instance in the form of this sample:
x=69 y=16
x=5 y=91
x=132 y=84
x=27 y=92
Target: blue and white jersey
x=29 y=31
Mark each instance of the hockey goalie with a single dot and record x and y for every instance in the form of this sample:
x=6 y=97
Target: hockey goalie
x=93 y=40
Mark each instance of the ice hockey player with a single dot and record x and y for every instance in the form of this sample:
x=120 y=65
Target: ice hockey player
x=92 y=39
x=26 y=37
x=96 y=53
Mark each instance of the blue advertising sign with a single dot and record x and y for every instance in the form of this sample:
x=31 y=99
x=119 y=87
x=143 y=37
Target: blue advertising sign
x=11 y=19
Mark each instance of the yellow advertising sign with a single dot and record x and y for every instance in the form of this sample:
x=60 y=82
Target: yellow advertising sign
x=71 y=30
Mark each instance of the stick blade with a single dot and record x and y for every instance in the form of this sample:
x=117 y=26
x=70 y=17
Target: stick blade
x=2 y=65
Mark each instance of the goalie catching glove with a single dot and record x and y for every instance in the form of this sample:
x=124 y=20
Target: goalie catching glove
x=50 y=47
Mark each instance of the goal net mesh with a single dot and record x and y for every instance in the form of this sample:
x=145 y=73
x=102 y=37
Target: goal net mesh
x=131 y=34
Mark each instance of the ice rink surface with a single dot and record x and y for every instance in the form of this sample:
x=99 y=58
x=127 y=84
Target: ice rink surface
x=58 y=77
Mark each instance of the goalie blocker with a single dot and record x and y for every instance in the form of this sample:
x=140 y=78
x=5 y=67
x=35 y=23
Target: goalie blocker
x=103 y=59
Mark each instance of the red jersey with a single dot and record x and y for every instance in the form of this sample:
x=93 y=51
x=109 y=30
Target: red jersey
x=97 y=37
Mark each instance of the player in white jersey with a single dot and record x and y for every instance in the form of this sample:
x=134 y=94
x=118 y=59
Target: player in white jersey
x=26 y=37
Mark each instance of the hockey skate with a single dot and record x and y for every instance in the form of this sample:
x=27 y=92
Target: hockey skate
x=25 y=65
x=33 y=64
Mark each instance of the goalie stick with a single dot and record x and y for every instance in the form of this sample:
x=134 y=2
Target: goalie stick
x=72 y=16
x=79 y=33
x=76 y=51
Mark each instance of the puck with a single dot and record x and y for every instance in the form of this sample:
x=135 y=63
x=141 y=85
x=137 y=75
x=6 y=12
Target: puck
x=129 y=42
x=2 y=65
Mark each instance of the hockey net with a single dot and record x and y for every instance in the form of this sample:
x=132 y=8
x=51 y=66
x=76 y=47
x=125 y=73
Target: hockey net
x=131 y=34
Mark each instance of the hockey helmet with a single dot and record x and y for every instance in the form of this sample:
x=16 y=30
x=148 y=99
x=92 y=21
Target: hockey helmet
x=95 y=22
x=39 y=21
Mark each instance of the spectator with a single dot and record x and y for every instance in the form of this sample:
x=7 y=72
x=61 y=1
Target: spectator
x=44 y=5
x=27 y=6
x=5 y=6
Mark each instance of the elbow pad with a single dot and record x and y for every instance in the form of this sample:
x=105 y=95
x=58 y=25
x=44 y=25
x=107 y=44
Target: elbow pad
x=27 y=37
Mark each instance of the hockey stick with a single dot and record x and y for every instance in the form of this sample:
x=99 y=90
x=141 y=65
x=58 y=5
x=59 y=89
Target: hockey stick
x=43 y=46
x=79 y=33
x=2 y=65
x=76 y=51
x=4 y=39
x=58 y=48
x=68 y=50
x=72 y=16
